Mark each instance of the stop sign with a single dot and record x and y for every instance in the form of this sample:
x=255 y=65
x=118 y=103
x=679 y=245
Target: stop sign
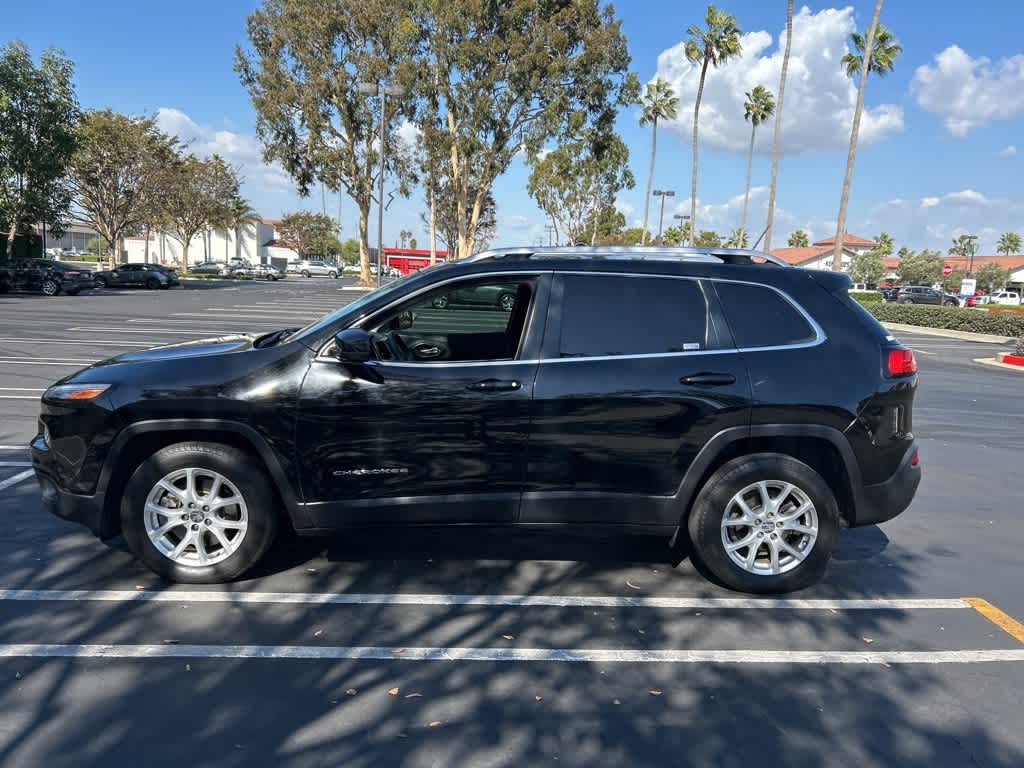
x=947 y=270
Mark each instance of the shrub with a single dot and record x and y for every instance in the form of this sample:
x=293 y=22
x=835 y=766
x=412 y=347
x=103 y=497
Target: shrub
x=866 y=297
x=949 y=318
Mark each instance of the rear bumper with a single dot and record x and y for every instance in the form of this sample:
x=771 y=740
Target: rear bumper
x=884 y=501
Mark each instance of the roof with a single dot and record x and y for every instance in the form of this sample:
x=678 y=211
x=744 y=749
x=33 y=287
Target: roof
x=798 y=256
x=848 y=239
x=272 y=222
x=1006 y=262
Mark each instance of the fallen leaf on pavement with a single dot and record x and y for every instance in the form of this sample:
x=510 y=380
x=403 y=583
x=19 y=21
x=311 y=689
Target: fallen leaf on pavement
x=616 y=701
x=398 y=650
x=868 y=640
x=139 y=586
x=188 y=667
x=351 y=692
x=317 y=632
x=413 y=695
x=631 y=585
x=435 y=723
x=538 y=698
x=170 y=642
x=392 y=691
x=655 y=692
x=311 y=570
x=509 y=637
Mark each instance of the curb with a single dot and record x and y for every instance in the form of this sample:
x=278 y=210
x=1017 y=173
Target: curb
x=996 y=364
x=355 y=288
x=986 y=338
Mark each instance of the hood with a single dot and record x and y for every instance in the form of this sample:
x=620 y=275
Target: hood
x=220 y=345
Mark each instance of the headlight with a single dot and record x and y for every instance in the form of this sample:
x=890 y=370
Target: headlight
x=75 y=391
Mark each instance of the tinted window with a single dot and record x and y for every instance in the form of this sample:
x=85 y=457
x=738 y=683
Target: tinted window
x=760 y=317
x=619 y=315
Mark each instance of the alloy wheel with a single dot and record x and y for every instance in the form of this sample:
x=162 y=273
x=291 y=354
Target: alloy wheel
x=769 y=527
x=195 y=517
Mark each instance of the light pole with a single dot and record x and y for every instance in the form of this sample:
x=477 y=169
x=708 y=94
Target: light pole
x=973 y=240
x=662 y=193
x=681 y=217
x=381 y=90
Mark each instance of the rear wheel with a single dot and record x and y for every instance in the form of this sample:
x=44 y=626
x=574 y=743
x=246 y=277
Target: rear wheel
x=152 y=284
x=764 y=523
x=199 y=513
x=304 y=273
x=50 y=287
x=99 y=282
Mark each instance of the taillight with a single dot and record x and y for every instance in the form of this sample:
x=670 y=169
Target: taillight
x=902 y=362
x=915 y=459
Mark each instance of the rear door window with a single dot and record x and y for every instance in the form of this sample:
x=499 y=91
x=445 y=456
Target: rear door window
x=760 y=317
x=611 y=315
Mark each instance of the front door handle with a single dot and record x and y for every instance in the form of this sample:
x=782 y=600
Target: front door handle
x=708 y=379
x=494 y=385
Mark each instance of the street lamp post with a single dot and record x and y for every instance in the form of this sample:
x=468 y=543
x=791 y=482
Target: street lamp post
x=662 y=193
x=381 y=90
x=973 y=240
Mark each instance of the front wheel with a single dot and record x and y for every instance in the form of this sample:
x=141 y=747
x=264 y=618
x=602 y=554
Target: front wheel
x=951 y=303
x=764 y=523
x=332 y=275
x=304 y=273
x=199 y=513
x=50 y=287
x=152 y=284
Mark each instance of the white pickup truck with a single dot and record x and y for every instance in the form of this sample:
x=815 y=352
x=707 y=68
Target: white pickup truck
x=1006 y=297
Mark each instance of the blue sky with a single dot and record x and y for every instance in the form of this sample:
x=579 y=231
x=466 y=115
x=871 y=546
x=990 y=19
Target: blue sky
x=942 y=148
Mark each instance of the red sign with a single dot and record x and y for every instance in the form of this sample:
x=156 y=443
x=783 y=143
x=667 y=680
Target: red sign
x=947 y=270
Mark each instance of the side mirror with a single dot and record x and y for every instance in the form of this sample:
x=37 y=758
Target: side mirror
x=352 y=345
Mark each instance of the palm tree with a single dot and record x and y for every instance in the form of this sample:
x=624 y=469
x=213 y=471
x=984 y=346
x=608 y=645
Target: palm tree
x=799 y=239
x=1009 y=243
x=884 y=243
x=240 y=215
x=878 y=56
x=738 y=239
x=659 y=102
x=715 y=44
x=777 y=141
x=759 y=106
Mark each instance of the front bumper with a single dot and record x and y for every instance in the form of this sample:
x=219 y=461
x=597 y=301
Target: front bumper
x=88 y=510
x=883 y=501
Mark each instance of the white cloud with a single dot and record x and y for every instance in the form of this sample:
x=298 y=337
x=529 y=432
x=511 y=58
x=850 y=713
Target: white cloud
x=726 y=216
x=933 y=222
x=516 y=223
x=626 y=209
x=1010 y=151
x=969 y=93
x=820 y=98
x=408 y=133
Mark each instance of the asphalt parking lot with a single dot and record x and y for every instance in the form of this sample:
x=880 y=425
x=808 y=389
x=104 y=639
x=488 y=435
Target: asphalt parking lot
x=468 y=647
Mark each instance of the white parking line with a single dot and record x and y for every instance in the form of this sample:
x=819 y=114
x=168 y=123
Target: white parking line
x=15 y=463
x=74 y=342
x=12 y=481
x=13 y=447
x=269 y=316
x=145 y=330
x=46 y=362
x=21 y=389
x=401 y=598
x=384 y=653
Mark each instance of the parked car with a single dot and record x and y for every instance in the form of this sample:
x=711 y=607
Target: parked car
x=919 y=294
x=150 y=276
x=308 y=268
x=658 y=391
x=498 y=297
x=44 y=275
x=1011 y=298
x=890 y=293
x=266 y=272
x=211 y=268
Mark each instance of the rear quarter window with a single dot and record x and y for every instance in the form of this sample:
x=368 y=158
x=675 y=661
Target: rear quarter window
x=761 y=317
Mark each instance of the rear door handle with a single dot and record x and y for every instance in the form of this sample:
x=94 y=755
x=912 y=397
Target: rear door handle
x=708 y=379
x=494 y=385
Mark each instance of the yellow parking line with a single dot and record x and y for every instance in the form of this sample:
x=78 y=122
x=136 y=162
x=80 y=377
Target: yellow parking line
x=1004 y=621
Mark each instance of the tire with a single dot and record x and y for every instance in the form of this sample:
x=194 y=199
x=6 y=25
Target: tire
x=716 y=500
x=99 y=282
x=950 y=303
x=507 y=301
x=305 y=273
x=441 y=302
x=241 y=476
x=332 y=275
x=50 y=287
x=152 y=284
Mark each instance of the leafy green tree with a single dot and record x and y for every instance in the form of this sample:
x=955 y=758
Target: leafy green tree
x=38 y=115
x=114 y=172
x=920 y=268
x=712 y=45
x=96 y=247
x=799 y=239
x=964 y=246
x=878 y=53
x=992 y=277
x=676 y=236
x=241 y=216
x=350 y=252
x=497 y=77
x=951 y=282
x=708 y=238
x=659 y=102
x=309 y=234
x=198 y=193
x=777 y=140
x=574 y=183
x=868 y=267
x=403 y=237
x=884 y=244
x=303 y=71
x=738 y=239
x=759 y=106
x=447 y=217
x=1009 y=243
x=608 y=223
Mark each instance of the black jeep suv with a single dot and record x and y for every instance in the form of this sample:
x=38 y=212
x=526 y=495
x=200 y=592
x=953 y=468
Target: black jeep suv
x=714 y=394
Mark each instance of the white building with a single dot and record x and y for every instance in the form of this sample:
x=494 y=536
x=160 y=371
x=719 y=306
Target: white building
x=819 y=254
x=256 y=242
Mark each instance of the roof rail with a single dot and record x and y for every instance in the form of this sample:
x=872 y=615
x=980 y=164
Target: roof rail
x=639 y=252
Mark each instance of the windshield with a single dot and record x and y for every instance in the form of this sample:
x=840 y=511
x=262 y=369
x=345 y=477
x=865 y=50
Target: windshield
x=351 y=310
